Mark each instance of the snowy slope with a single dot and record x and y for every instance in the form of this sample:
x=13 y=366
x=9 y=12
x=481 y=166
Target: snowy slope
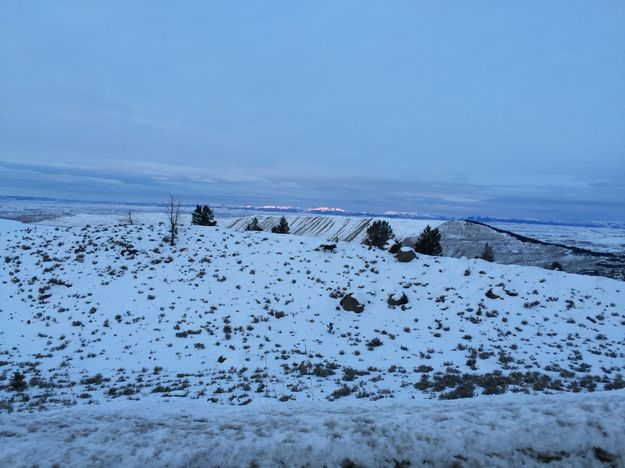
x=99 y=313
x=459 y=238
x=342 y=228
x=504 y=431
x=7 y=225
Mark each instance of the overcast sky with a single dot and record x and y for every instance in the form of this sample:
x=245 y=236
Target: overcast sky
x=459 y=108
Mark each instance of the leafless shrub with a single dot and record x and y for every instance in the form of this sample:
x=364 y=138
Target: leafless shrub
x=173 y=216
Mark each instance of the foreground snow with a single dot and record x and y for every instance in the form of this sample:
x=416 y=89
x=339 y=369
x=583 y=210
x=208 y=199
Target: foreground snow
x=511 y=430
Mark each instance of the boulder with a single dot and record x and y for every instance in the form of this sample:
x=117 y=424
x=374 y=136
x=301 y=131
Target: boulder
x=351 y=304
x=406 y=254
x=397 y=299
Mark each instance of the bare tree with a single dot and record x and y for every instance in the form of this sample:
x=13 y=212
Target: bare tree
x=173 y=214
x=129 y=219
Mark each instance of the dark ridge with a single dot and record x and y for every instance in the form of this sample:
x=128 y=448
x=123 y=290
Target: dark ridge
x=531 y=240
x=543 y=222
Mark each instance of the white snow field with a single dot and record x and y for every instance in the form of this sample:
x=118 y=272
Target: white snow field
x=232 y=348
x=503 y=431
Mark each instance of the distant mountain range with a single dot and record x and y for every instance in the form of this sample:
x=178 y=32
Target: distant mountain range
x=332 y=211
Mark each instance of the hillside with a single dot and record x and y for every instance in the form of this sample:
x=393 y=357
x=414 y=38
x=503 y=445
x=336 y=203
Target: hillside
x=460 y=238
x=330 y=228
x=99 y=313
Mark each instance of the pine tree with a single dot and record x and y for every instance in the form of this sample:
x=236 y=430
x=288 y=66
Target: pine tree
x=282 y=227
x=196 y=217
x=18 y=382
x=208 y=217
x=487 y=253
x=203 y=216
x=253 y=225
x=429 y=242
x=378 y=234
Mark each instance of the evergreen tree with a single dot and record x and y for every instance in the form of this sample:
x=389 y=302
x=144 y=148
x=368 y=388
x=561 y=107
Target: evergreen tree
x=208 y=217
x=18 y=382
x=429 y=242
x=196 y=217
x=487 y=253
x=253 y=225
x=203 y=216
x=282 y=227
x=378 y=234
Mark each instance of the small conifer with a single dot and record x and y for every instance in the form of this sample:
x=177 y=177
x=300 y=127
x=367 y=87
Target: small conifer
x=378 y=234
x=487 y=254
x=203 y=216
x=18 y=382
x=282 y=227
x=253 y=225
x=429 y=242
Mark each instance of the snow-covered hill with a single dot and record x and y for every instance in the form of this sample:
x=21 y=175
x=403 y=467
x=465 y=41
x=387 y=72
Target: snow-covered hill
x=459 y=238
x=92 y=314
x=330 y=228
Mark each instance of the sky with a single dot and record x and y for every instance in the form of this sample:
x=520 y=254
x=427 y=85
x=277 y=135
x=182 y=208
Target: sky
x=508 y=109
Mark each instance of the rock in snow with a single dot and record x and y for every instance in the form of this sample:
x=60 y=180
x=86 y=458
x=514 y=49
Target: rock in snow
x=405 y=255
x=351 y=304
x=397 y=299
